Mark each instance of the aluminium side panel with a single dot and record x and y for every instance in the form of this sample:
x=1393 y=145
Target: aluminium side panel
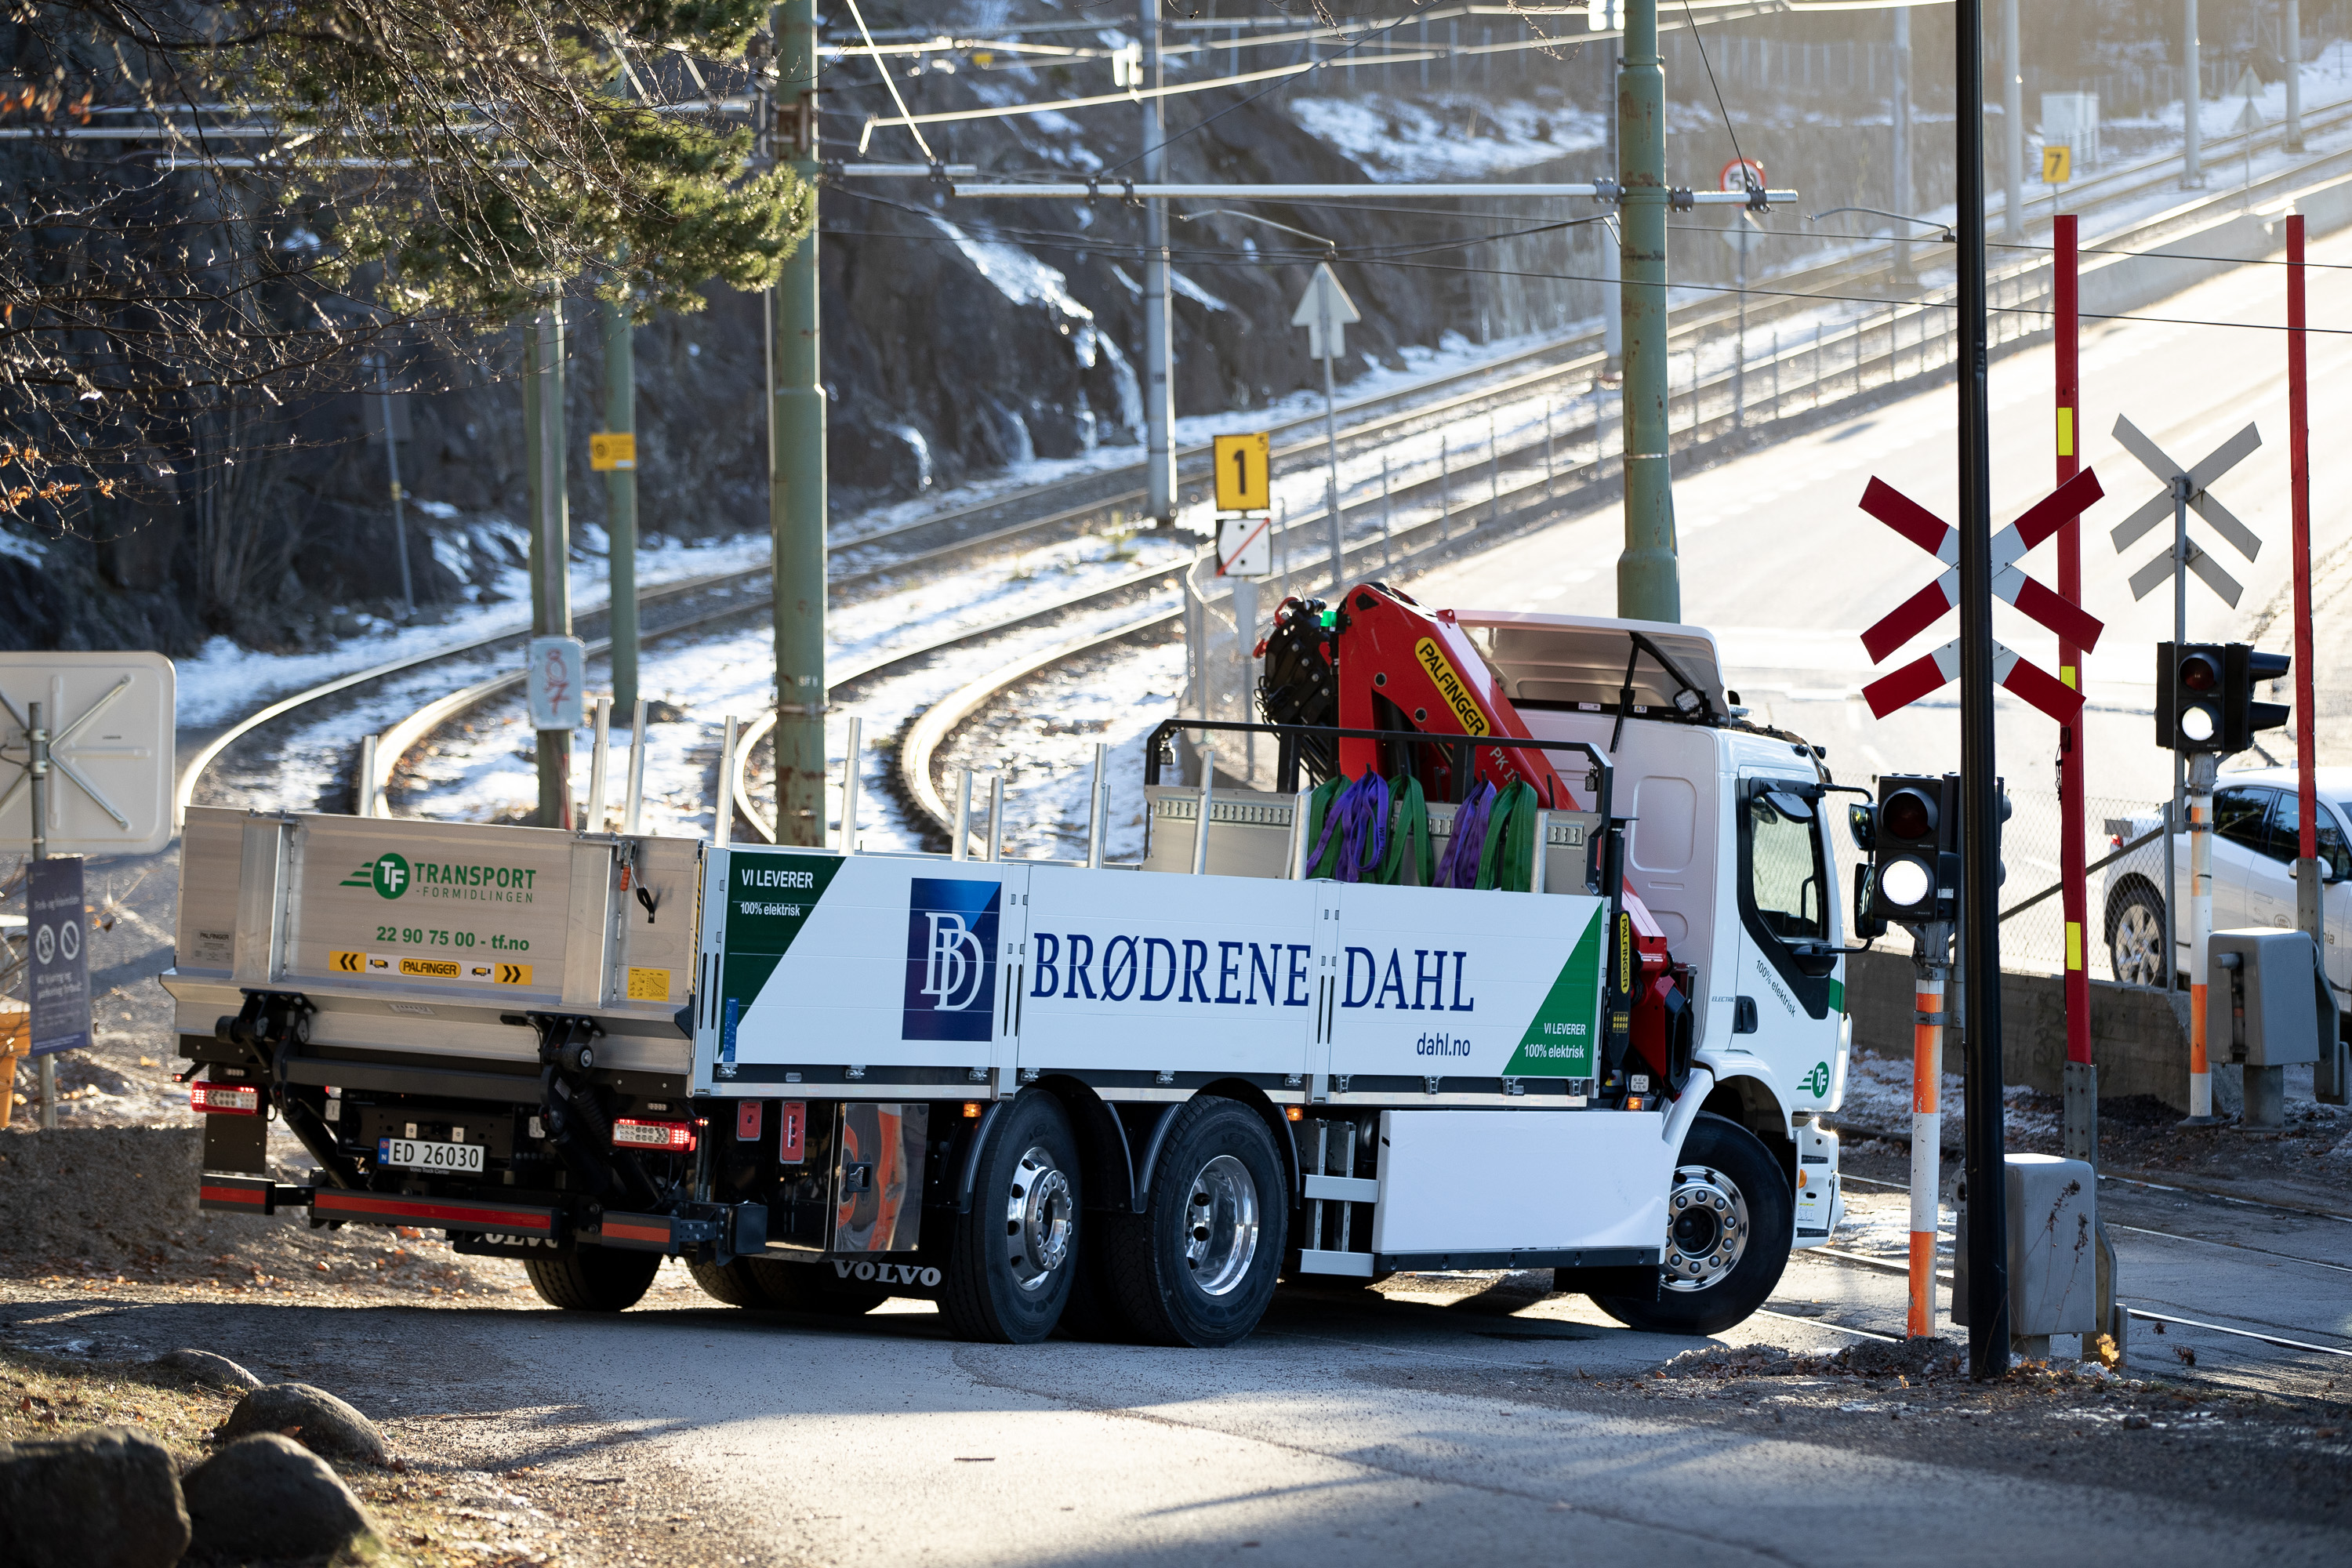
x=1168 y=974
x=1447 y=982
x=1497 y=1181
x=425 y=937
x=866 y=975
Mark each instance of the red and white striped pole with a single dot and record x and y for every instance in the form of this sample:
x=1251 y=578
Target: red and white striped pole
x=2202 y=768
x=2081 y=1082
x=1927 y=1128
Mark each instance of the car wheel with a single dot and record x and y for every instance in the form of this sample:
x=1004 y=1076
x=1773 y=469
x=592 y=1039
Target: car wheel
x=1729 y=1215
x=1199 y=1265
x=593 y=1278
x=1010 y=1261
x=2136 y=938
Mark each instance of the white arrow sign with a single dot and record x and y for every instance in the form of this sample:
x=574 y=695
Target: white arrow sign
x=1325 y=307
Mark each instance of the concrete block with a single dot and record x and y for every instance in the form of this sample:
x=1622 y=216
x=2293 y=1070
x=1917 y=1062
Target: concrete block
x=2139 y=1037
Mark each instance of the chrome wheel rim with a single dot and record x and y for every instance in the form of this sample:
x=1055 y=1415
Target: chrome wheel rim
x=1220 y=1225
x=1038 y=1215
x=1706 y=1228
x=2140 y=946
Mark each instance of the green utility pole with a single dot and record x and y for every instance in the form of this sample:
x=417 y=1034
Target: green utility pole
x=796 y=498
x=621 y=500
x=551 y=533
x=1648 y=586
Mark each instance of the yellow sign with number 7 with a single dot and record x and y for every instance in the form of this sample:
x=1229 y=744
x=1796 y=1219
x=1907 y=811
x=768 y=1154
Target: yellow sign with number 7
x=1241 y=476
x=2057 y=165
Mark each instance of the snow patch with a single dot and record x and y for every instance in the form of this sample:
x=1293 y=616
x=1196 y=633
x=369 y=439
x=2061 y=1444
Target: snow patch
x=1398 y=141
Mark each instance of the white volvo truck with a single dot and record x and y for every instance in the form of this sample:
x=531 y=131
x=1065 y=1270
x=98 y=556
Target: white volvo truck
x=1121 y=1099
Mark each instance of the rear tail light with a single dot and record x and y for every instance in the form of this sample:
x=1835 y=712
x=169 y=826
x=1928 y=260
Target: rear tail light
x=225 y=1099
x=675 y=1137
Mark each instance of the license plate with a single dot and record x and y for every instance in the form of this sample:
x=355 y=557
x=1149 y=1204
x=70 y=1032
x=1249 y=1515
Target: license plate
x=417 y=1155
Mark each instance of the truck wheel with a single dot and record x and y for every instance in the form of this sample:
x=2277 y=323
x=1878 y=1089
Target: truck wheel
x=1728 y=1219
x=813 y=1288
x=729 y=1284
x=1200 y=1266
x=1010 y=1259
x=793 y=1286
x=1094 y=1311
x=593 y=1278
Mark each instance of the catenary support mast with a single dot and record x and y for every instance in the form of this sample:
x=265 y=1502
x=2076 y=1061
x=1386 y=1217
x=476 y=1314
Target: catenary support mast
x=1159 y=385
x=1649 y=585
x=796 y=482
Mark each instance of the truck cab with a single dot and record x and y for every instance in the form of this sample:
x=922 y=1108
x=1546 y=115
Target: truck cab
x=1727 y=845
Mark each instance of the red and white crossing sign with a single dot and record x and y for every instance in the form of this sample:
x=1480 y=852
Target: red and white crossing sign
x=2009 y=584
x=1929 y=672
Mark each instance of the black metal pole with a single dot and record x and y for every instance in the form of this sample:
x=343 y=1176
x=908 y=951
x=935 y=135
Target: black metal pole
x=1979 y=812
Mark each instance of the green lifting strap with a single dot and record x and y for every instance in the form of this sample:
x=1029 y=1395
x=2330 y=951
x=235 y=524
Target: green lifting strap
x=1410 y=824
x=1507 y=855
x=1318 y=806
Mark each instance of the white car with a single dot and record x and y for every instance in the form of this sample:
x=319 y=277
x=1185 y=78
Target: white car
x=2256 y=828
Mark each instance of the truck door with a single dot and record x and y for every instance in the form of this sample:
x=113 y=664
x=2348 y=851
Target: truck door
x=1787 y=975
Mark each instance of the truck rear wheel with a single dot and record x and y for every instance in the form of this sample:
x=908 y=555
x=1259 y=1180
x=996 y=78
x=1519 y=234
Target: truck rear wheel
x=1199 y=1266
x=1729 y=1218
x=815 y=1288
x=1011 y=1259
x=793 y=1286
x=593 y=1278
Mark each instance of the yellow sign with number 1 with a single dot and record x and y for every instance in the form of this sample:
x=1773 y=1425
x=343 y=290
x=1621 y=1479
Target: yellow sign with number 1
x=1242 y=464
x=2057 y=165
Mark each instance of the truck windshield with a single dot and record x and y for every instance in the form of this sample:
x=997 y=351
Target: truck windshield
x=1785 y=875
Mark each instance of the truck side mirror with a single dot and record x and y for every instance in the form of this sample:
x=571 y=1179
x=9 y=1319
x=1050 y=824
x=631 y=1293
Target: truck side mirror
x=1867 y=927
x=1861 y=824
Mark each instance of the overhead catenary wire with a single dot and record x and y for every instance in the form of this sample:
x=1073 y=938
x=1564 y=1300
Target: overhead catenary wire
x=892 y=83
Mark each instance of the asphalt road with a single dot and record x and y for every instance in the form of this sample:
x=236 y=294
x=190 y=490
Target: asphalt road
x=1450 y=1420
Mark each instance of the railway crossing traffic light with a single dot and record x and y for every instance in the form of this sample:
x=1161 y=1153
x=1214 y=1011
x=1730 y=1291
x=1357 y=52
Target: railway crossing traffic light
x=2205 y=695
x=2242 y=668
x=1914 y=858
x=2189 y=685
x=1913 y=839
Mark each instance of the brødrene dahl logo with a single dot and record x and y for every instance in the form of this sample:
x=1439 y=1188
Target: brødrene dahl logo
x=950 y=959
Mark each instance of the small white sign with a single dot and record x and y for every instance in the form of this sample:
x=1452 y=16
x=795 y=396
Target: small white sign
x=1245 y=547
x=556 y=683
x=1325 y=303
x=111 y=720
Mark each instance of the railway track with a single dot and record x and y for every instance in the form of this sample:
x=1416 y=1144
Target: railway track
x=1084 y=503
x=2307 y=1340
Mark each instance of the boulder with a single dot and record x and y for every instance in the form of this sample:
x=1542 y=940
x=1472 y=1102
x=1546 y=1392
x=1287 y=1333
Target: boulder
x=107 y=1498
x=312 y=1416
x=269 y=1497
x=212 y=1370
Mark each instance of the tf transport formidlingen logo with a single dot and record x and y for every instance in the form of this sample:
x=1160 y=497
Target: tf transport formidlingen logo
x=391 y=875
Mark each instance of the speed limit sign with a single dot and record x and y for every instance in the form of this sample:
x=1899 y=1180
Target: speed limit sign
x=1742 y=175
